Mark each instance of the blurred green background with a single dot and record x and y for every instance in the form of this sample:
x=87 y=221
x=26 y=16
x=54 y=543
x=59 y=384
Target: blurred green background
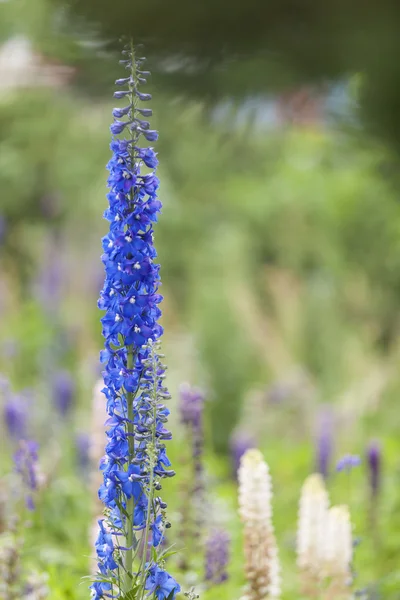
x=279 y=244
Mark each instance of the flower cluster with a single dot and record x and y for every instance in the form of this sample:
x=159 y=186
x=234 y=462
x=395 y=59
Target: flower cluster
x=15 y=412
x=374 y=458
x=324 y=440
x=217 y=556
x=324 y=543
x=26 y=465
x=191 y=412
x=255 y=509
x=191 y=409
x=136 y=459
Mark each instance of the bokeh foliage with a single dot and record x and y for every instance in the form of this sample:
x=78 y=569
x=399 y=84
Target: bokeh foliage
x=279 y=251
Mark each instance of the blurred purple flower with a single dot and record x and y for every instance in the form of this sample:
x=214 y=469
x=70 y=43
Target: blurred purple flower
x=50 y=276
x=279 y=392
x=348 y=462
x=16 y=416
x=25 y=460
x=63 y=391
x=50 y=205
x=374 y=459
x=240 y=442
x=191 y=408
x=82 y=444
x=191 y=405
x=324 y=440
x=217 y=556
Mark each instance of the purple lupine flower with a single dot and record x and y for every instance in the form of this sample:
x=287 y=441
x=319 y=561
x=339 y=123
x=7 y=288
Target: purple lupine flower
x=191 y=408
x=26 y=465
x=240 y=442
x=217 y=556
x=16 y=416
x=82 y=444
x=191 y=405
x=49 y=280
x=135 y=392
x=374 y=459
x=63 y=391
x=324 y=440
x=348 y=462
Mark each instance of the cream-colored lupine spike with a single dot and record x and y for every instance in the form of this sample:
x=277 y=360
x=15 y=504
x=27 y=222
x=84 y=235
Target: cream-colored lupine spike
x=338 y=553
x=261 y=555
x=311 y=532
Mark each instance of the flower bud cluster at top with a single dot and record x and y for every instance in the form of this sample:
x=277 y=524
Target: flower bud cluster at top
x=135 y=461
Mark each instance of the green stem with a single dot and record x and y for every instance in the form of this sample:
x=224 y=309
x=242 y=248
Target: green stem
x=130 y=503
x=152 y=450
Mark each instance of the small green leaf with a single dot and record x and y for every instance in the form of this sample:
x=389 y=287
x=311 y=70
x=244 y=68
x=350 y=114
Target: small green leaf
x=170 y=553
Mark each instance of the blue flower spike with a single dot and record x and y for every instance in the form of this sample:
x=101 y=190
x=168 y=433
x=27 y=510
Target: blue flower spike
x=135 y=461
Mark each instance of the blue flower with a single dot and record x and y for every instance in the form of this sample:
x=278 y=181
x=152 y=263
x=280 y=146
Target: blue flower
x=118 y=113
x=151 y=135
x=148 y=156
x=160 y=583
x=157 y=529
x=105 y=548
x=118 y=127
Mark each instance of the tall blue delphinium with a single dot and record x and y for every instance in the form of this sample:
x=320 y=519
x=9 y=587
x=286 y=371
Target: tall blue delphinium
x=136 y=461
x=324 y=441
x=217 y=557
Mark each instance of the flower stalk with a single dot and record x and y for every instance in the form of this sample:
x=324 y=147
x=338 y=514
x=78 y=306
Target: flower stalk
x=261 y=554
x=134 y=376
